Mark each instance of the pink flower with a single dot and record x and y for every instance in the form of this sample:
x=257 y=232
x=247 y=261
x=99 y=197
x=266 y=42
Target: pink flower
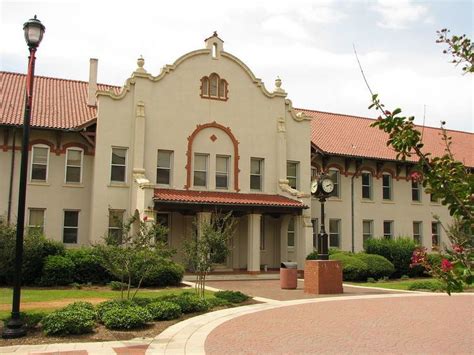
x=457 y=248
x=416 y=176
x=446 y=265
x=145 y=218
x=418 y=257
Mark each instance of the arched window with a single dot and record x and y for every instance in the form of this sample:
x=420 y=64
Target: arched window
x=213 y=87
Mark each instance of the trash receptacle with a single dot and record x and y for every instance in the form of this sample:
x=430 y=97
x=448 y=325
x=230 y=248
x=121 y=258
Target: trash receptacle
x=288 y=275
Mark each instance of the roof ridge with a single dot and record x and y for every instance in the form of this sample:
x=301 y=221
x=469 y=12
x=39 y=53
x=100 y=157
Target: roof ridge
x=60 y=79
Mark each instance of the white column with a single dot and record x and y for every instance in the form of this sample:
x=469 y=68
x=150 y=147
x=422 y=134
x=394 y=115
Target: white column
x=285 y=219
x=253 y=240
x=303 y=237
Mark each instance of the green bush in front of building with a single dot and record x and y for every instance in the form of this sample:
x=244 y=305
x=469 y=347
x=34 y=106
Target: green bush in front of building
x=353 y=269
x=58 y=270
x=378 y=266
x=76 y=318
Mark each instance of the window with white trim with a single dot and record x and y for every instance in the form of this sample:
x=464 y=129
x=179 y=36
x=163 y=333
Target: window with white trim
x=415 y=191
x=222 y=172
x=116 y=224
x=291 y=233
x=39 y=162
x=163 y=169
x=118 y=170
x=386 y=186
x=200 y=169
x=74 y=161
x=36 y=219
x=335 y=176
x=388 y=229
x=71 y=227
x=366 y=185
x=334 y=233
x=262 y=232
x=292 y=168
x=256 y=174
x=435 y=234
x=367 y=229
x=418 y=232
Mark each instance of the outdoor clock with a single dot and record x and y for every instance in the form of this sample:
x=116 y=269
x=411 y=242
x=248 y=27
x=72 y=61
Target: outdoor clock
x=327 y=185
x=314 y=186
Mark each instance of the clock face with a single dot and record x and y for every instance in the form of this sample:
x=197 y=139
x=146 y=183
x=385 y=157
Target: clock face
x=314 y=186
x=327 y=185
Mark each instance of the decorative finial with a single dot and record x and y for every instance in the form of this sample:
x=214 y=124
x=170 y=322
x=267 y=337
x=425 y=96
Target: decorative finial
x=215 y=34
x=278 y=85
x=140 y=64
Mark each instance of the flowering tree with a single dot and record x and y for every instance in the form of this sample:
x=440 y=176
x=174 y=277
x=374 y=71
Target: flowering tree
x=444 y=177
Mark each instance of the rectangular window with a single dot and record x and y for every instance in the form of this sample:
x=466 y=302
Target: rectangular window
x=417 y=232
x=118 y=165
x=200 y=170
x=71 y=227
x=435 y=234
x=367 y=230
x=39 y=163
x=163 y=169
x=314 y=173
x=262 y=233
x=74 y=158
x=163 y=219
x=334 y=233
x=116 y=224
x=36 y=219
x=388 y=229
x=415 y=191
x=367 y=185
x=222 y=172
x=291 y=233
x=387 y=186
x=292 y=174
x=256 y=174
x=433 y=199
x=335 y=177
x=314 y=222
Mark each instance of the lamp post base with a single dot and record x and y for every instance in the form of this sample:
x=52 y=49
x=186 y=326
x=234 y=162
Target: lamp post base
x=14 y=329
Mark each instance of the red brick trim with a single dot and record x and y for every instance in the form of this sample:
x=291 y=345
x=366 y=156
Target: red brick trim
x=75 y=145
x=189 y=152
x=51 y=146
x=336 y=166
x=366 y=168
x=389 y=171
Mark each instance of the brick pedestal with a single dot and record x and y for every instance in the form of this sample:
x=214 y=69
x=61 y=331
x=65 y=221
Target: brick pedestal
x=323 y=277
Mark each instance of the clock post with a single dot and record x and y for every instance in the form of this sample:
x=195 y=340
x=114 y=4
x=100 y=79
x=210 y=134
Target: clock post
x=323 y=239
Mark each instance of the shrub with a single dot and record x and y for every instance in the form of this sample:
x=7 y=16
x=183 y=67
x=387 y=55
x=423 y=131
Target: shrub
x=217 y=302
x=162 y=274
x=30 y=319
x=76 y=318
x=404 y=277
x=87 y=266
x=312 y=256
x=188 y=302
x=164 y=310
x=378 y=266
x=232 y=296
x=398 y=251
x=353 y=269
x=117 y=285
x=126 y=317
x=333 y=251
x=371 y=280
x=57 y=270
x=432 y=285
x=144 y=301
x=103 y=307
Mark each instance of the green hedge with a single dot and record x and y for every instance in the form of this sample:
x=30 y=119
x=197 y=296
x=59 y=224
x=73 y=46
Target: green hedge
x=163 y=273
x=122 y=316
x=398 y=251
x=353 y=269
x=58 y=270
x=164 y=310
x=76 y=318
x=87 y=266
x=189 y=302
x=378 y=266
x=232 y=296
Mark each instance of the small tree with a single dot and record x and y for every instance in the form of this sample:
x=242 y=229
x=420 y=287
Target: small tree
x=208 y=246
x=131 y=254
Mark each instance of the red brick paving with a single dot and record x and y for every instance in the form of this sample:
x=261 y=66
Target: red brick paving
x=132 y=350
x=405 y=325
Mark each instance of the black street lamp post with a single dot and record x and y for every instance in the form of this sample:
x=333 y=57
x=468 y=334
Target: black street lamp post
x=34 y=31
x=323 y=243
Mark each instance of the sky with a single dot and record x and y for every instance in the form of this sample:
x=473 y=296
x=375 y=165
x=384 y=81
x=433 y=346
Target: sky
x=308 y=44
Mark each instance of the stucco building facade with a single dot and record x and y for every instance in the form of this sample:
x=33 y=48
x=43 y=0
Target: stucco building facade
x=205 y=135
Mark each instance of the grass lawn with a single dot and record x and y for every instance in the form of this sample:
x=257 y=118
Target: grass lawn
x=392 y=284
x=43 y=296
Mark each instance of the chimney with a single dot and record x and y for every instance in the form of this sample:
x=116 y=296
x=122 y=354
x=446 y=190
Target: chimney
x=92 y=89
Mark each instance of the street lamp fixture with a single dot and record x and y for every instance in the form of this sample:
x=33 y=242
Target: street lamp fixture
x=34 y=31
x=322 y=188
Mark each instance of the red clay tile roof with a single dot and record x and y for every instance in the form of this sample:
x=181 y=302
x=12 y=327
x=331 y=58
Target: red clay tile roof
x=352 y=136
x=57 y=103
x=224 y=198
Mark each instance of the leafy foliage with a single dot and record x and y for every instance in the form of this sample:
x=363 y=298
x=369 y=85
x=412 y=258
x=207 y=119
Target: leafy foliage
x=189 y=302
x=353 y=269
x=77 y=318
x=312 y=256
x=58 y=270
x=378 y=266
x=164 y=310
x=460 y=47
x=30 y=319
x=125 y=316
x=232 y=296
x=87 y=266
x=162 y=273
x=432 y=285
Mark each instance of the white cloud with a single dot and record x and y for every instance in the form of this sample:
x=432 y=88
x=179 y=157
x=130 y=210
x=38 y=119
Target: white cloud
x=398 y=14
x=284 y=26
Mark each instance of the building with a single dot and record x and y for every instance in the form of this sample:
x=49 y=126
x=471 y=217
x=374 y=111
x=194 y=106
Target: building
x=206 y=134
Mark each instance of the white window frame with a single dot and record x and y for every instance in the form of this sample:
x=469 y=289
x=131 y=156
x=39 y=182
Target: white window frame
x=416 y=188
x=366 y=236
x=261 y=162
x=292 y=232
x=206 y=171
x=29 y=218
x=370 y=185
x=170 y=168
x=338 y=233
x=126 y=165
x=262 y=234
x=71 y=227
x=296 y=178
x=389 y=187
x=222 y=173
x=337 y=182
x=111 y=228
x=418 y=235
x=32 y=162
x=437 y=234
x=74 y=166
x=388 y=235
